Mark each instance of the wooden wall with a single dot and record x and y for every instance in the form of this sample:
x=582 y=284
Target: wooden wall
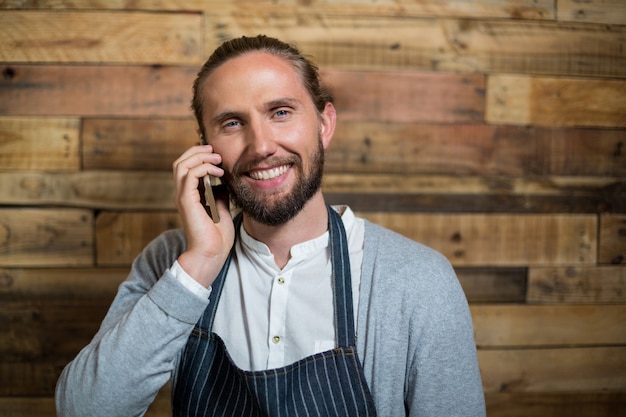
x=494 y=131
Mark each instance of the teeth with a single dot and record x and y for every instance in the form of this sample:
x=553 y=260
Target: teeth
x=268 y=174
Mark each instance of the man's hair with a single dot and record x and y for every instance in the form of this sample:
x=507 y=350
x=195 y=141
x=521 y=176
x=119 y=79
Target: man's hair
x=307 y=70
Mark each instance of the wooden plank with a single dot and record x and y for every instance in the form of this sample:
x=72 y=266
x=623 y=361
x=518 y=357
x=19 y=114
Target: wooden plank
x=45 y=331
x=45 y=407
x=376 y=147
x=553 y=370
x=151 y=91
x=452 y=97
x=45 y=144
x=30 y=379
x=612 y=12
x=154 y=190
x=66 y=285
x=500 y=239
x=91 y=189
x=521 y=100
x=101 y=36
x=517 y=9
x=493 y=285
x=577 y=285
x=413 y=148
x=120 y=237
x=360 y=42
x=136 y=144
x=542 y=326
x=46 y=237
x=556 y=404
x=612 y=247
x=472 y=203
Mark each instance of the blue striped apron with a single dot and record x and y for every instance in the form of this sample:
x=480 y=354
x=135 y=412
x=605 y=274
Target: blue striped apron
x=331 y=383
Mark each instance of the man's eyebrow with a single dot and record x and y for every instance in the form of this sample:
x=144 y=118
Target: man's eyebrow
x=225 y=116
x=282 y=102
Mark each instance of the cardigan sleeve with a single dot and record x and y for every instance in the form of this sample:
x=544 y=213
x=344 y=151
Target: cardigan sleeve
x=135 y=350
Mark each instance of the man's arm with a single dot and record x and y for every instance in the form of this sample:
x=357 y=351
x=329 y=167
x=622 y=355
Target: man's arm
x=133 y=354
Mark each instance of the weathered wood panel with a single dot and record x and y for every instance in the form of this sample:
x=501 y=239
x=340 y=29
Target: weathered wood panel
x=453 y=45
x=556 y=404
x=136 y=144
x=577 y=285
x=612 y=12
x=451 y=97
x=96 y=90
x=46 y=237
x=65 y=285
x=120 y=237
x=101 y=36
x=593 y=404
x=466 y=239
x=517 y=9
x=479 y=149
x=44 y=144
x=612 y=247
x=90 y=189
x=542 y=326
x=498 y=239
x=154 y=190
x=371 y=147
x=500 y=285
x=518 y=99
x=550 y=370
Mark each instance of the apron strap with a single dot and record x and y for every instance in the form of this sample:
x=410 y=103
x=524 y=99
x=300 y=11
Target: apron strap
x=341 y=280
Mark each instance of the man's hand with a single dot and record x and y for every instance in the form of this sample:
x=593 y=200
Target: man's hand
x=208 y=243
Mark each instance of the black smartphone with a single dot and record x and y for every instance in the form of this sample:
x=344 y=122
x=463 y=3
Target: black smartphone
x=206 y=191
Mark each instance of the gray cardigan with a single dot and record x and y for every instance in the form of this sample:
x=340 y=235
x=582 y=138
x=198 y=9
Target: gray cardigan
x=414 y=329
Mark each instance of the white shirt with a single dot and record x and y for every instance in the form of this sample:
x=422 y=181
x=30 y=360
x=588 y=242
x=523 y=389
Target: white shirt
x=270 y=317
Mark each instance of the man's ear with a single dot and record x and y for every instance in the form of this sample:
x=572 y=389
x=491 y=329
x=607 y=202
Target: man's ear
x=327 y=124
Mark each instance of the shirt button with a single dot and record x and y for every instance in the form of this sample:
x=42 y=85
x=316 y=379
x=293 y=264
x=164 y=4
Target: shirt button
x=281 y=280
x=276 y=339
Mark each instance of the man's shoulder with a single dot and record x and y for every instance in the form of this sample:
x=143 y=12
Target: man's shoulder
x=391 y=243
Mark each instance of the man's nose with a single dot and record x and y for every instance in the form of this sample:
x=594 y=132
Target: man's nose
x=261 y=140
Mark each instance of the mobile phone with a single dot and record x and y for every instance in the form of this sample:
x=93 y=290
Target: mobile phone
x=208 y=182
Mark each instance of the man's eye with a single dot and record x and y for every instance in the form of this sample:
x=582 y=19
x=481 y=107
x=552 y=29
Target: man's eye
x=282 y=113
x=231 y=124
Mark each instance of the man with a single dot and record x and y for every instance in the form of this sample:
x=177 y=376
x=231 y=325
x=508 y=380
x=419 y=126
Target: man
x=292 y=308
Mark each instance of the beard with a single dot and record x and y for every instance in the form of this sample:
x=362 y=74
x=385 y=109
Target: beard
x=270 y=211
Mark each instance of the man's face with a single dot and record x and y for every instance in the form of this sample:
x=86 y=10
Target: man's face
x=259 y=117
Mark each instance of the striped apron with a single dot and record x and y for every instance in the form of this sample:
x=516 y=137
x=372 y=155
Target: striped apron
x=331 y=383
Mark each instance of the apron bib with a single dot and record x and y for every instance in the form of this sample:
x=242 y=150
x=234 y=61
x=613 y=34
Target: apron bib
x=331 y=383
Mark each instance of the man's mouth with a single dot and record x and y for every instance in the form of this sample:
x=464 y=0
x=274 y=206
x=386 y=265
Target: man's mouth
x=268 y=174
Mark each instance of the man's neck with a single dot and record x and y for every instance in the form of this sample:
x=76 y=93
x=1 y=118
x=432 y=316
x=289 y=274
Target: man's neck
x=309 y=223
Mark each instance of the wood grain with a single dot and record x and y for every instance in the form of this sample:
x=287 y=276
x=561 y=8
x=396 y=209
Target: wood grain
x=553 y=370
x=498 y=239
x=612 y=12
x=612 y=245
x=542 y=326
x=518 y=9
x=377 y=147
x=452 y=97
x=546 y=101
x=101 y=36
x=577 y=285
x=46 y=237
x=120 y=237
x=154 y=190
x=41 y=144
x=84 y=90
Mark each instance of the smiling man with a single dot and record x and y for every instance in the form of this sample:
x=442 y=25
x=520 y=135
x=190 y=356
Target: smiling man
x=290 y=308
